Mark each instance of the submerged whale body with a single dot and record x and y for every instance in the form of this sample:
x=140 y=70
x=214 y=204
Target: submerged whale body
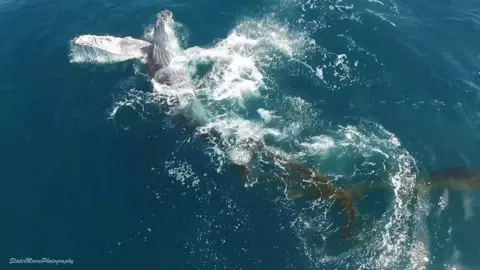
x=455 y=178
x=158 y=53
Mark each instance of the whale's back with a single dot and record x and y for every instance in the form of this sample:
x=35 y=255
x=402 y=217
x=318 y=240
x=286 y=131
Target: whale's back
x=455 y=178
x=163 y=40
x=452 y=174
x=165 y=48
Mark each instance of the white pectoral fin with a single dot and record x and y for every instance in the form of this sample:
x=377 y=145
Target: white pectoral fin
x=105 y=49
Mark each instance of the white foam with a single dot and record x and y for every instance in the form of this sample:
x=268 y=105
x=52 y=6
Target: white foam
x=341 y=68
x=266 y=115
x=238 y=131
x=319 y=72
x=240 y=156
x=381 y=16
x=376 y=1
x=319 y=145
x=182 y=172
x=234 y=73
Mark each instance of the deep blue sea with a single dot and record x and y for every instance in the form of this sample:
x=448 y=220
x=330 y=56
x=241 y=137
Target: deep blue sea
x=100 y=166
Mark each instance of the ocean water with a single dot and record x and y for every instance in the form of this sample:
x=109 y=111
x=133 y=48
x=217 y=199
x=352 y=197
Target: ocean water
x=102 y=167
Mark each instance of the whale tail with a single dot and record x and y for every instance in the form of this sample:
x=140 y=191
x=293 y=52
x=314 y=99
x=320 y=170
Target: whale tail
x=109 y=49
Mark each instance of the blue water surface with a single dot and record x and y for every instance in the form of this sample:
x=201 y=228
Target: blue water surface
x=77 y=184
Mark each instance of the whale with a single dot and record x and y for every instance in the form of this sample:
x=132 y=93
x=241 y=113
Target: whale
x=158 y=53
x=163 y=50
x=459 y=178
